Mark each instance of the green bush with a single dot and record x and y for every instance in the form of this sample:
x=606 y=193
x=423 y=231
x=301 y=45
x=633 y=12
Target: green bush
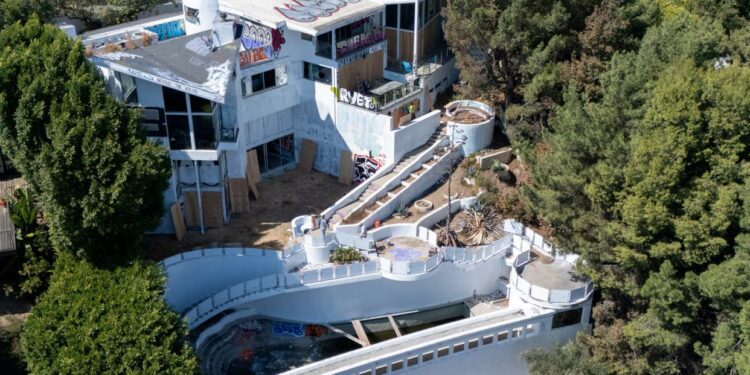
x=346 y=254
x=99 y=321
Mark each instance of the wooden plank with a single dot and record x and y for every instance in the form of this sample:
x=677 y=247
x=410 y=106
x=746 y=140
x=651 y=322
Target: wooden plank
x=190 y=209
x=307 y=155
x=252 y=169
x=7 y=231
x=179 y=222
x=239 y=196
x=342 y=333
x=394 y=325
x=361 y=334
x=346 y=167
x=213 y=216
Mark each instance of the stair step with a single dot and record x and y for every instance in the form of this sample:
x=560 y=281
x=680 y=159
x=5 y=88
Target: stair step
x=391 y=194
x=405 y=184
x=414 y=176
x=379 y=203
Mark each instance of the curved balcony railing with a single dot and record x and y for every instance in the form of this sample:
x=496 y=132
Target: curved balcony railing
x=562 y=296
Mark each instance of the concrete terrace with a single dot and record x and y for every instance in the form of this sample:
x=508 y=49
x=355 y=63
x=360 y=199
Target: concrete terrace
x=552 y=275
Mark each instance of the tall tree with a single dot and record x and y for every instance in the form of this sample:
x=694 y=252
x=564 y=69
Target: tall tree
x=97 y=321
x=98 y=178
x=649 y=182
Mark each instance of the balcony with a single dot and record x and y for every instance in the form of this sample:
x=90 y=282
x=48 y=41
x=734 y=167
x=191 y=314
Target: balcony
x=228 y=139
x=386 y=96
x=549 y=281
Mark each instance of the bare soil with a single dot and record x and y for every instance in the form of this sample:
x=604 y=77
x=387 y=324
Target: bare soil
x=267 y=224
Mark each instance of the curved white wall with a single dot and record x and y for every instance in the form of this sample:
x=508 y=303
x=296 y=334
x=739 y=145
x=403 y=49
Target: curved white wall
x=335 y=301
x=198 y=274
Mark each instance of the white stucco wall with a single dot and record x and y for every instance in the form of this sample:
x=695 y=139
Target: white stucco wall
x=203 y=273
x=335 y=302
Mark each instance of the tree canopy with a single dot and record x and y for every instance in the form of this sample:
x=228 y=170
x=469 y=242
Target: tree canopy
x=98 y=321
x=645 y=171
x=98 y=178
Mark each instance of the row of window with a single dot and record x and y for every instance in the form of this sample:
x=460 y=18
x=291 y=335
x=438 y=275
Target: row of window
x=278 y=77
x=428 y=9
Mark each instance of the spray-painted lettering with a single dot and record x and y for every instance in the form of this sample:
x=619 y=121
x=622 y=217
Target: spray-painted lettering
x=168 y=30
x=365 y=167
x=310 y=10
x=356 y=98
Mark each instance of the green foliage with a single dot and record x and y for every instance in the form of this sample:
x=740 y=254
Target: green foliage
x=12 y=11
x=34 y=255
x=97 y=321
x=346 y=254
x=102 y=13
x=569 y=357
x=647 y=176
x=11 y=355
x=99 y=180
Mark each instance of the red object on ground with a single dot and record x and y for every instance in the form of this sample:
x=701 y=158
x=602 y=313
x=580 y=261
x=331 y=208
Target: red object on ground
x=246 y=354
x=377 y=223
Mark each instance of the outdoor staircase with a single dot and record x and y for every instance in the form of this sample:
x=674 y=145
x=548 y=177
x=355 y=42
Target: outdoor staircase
x=356 y=211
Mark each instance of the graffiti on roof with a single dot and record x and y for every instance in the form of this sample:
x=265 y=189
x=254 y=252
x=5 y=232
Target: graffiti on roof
x=310 y=10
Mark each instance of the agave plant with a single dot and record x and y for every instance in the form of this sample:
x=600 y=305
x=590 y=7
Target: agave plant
x=402 y=210
x=482 y=224
x=447 y=237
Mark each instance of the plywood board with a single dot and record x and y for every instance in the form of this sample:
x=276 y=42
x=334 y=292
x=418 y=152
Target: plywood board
x=346 y=167
x=239 y=196
x=213 y=216
x=252 y=169
x=190 y=209
x=307 y=155
x=179 y=222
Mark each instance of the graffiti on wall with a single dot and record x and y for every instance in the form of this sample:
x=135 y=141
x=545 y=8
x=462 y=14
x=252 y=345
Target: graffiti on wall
x=169 y=30
x=365 y=167
x=358 y=99
x=310 y=10
x=291 y=329
x=261 y=44
x=192 y=15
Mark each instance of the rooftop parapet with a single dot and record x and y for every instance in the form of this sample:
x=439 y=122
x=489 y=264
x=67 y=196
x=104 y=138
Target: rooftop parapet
x=549 y=281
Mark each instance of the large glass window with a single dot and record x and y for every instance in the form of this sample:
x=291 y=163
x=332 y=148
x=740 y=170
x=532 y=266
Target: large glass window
x=264 y=81
x=174 y=101
x=318 y=73
x=407 y=16
x=179 y=132
x=567 y=318
x=276 y=154
x=432 y=8
x=129 y=92
x=205 y=135
x=198 y=104
x=391 y=15
x=324 y=45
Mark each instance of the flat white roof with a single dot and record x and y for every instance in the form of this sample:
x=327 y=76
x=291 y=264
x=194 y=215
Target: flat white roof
x=307 y=16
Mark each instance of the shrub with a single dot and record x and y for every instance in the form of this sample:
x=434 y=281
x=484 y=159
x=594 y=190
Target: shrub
x=402 y=210
x=482 y=224
x=346 y=254
x=99 y=321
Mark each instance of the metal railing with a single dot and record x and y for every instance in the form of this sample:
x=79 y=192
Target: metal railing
x=207 y=308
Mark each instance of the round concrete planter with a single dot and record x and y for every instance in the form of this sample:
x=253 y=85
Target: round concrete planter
x=503 y=172
x=423 y=205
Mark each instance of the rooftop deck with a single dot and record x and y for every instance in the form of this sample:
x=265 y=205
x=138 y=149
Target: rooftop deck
x=552 y=275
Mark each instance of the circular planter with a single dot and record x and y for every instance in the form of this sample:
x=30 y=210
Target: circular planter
x=503 y=173
x=423 y=205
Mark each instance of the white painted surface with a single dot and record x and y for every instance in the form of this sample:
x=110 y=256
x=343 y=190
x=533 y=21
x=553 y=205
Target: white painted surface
x=195 y=275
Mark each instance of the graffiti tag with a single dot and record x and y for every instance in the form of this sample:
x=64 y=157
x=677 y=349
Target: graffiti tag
x=291 y=329
x=365 y=167
x=358 y=99
x=261 y=44
x=310 y=10
x=168 y=30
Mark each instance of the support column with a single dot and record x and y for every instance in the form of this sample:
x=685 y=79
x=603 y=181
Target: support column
x=415 y=57
x=200 y=195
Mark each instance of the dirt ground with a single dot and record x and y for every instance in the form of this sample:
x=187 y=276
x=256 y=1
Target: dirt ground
x=267 y=224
